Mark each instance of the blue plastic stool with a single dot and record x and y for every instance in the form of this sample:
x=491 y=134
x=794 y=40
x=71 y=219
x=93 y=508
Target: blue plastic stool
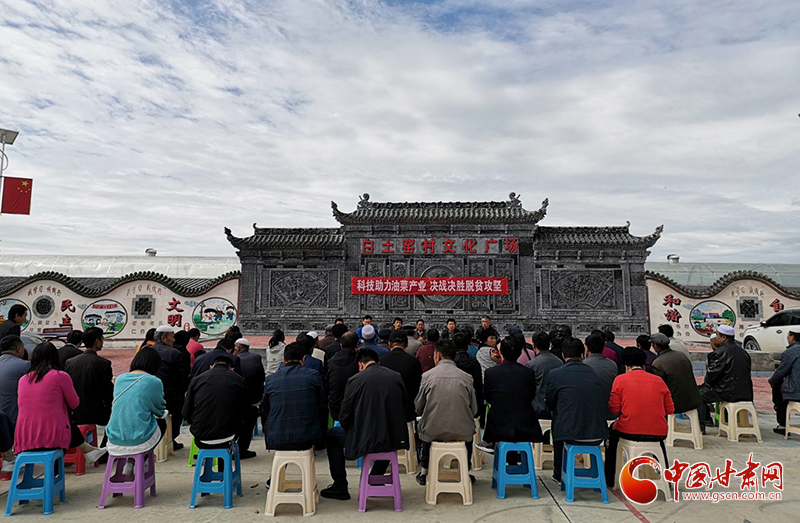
x=37 y=488
x=361 y=459
x=522 y=474
x=593 y=477
x=209 y=481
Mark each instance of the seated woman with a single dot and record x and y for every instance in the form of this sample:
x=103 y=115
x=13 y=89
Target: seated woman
x=46 y=395
x=134 y=426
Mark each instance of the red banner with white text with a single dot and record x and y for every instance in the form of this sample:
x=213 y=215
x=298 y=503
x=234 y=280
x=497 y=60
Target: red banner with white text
x=469 y=286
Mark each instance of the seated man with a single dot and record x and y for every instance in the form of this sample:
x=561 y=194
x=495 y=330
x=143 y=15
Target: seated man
x=13 y=366
x=447 y=405
x=225 y=349
x=728 y=374
x=605 y=368
x=339 y=369
x=369 y=335
x=293 y=408
x=676 y=370
x=404 y=363
x=488 y=356
x=253 y=374
x=471 y=366
x=510 y=389
x=542 y=364
x=425 y=352
x=644 y=343
x=71 y=348
x=575 y=397
x=642 y=402
x=215 y=405
x=372 y=417
x=92 y=377
x=785 y=381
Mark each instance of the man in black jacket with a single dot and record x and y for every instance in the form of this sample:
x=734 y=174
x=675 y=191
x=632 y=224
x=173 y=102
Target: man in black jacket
x=224 y=349
x=340 y=368
x=509 y=389
x=676 y=370
x=373 y=419
x=332 y=349
x=471 y=366
x=408 y=366
x=728 y=374
x=17 y=315
x=253 y=374
x=575 y=397
x=91 y=375
x=215 y=405
x=70 y=349
x=174 y=376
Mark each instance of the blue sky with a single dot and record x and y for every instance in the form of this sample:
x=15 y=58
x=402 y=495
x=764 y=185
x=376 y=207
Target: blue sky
x=156 y=124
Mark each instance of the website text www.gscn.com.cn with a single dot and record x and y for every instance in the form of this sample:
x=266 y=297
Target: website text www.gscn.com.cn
x=716 y=497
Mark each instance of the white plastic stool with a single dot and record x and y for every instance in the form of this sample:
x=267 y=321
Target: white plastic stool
x=634 y=449
x=730 y=423
x=408 y=458
x=477 y=454
x=694 y=433
x=543 y=451
x=462 y=484
x=307 y=496
x=164 y=448
x=794 y=406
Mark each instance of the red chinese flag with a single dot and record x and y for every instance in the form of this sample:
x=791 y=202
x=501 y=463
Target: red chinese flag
x=16 y=195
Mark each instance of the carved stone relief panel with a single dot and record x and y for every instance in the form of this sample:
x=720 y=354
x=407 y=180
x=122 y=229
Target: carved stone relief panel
x=479 y=268
x=505 y=268
x=302 y=288
x=438 y=268
x=582 y=289
x=399 y=269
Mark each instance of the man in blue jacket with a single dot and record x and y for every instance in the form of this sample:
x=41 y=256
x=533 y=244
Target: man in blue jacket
x=785 y=381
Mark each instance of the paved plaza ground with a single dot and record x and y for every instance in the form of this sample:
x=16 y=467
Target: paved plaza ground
x=174 y=481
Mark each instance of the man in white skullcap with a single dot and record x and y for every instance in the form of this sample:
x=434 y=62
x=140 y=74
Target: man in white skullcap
x=727 y=375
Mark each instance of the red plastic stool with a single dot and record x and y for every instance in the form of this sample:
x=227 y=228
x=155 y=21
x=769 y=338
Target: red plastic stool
x=76 y=456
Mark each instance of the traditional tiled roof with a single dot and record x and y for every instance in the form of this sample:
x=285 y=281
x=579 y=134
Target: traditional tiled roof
x=595 y=236
x=93 y=287
x=696 y=291
x=447 y=213
x=275 y=238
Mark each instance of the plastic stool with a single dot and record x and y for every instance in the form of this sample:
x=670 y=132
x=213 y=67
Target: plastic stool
x=306 y=493
x=634 y=449
x=193 y=454
x=142 y=479
x=593 y=477
x=463 y=485
x=408 y=458
x=729 y=420
x=37 y=488
x=694 y=434
x=76 y=456
x=477 y=454
x=380 y=486
x=207 y=480
x=794 y=406
x=543 y=451
x=503 y=474
x=164 y=448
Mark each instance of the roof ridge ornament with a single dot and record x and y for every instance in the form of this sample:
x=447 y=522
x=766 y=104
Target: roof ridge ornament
x=363 y=201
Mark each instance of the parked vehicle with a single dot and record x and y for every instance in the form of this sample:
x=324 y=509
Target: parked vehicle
x=770 y=335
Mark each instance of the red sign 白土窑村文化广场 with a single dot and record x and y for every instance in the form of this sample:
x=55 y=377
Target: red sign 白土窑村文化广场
x=480 y=286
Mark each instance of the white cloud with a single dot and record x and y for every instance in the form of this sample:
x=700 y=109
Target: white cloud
x=155 y=125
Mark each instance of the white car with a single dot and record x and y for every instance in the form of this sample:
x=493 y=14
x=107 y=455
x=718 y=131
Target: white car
x=770 y=335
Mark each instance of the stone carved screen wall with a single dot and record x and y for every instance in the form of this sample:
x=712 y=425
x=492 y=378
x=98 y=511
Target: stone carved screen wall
x=582 y=289
x=302 y=289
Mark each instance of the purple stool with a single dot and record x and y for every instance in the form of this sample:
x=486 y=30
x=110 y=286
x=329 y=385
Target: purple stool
x=380 y=486
x=142 y=478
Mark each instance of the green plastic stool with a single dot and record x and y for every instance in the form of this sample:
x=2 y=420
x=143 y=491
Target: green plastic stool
x=193 y=455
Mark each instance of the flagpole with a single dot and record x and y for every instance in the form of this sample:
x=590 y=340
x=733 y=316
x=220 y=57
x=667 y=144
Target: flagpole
x=6 y=136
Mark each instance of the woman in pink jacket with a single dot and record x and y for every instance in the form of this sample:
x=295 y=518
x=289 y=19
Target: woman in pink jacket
x=45 y=397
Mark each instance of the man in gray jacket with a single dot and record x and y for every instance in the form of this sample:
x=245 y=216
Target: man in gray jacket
x=542 y=364
x=785 y=381
x=447 y=405
x=605 y=368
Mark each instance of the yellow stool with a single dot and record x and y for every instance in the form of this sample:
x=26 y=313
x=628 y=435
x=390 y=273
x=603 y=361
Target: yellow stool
x=732 y=425
x=477 y=455
x=794 y=406
x=164 y=448
x=460 y=482
x=694 y=434
x=303 y=492
x=543 y=451
x=634 y=449
x=408 y=458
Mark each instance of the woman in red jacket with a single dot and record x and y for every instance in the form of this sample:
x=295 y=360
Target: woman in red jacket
x=46 y=395
x=642 y=401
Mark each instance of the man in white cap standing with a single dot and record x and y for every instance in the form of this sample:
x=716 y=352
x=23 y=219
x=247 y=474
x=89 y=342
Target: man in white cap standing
x=174 y=376
x=253 y=374
x=728 y=373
